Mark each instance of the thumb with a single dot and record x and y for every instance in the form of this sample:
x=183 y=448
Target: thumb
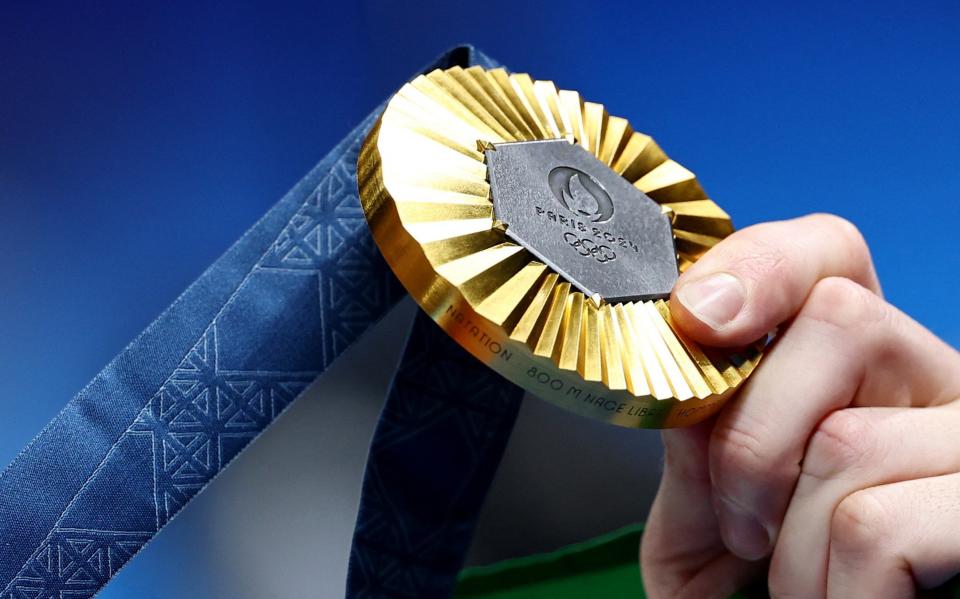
x=759 y=277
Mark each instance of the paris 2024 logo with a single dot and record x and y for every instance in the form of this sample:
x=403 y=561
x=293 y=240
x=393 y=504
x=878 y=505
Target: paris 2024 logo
x=583 y=195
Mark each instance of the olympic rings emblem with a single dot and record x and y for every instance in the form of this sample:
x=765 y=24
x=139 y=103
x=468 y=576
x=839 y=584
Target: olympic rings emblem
x=589 y=248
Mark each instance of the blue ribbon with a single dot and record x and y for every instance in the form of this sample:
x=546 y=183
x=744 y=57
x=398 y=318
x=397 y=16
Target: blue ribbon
x=436 y=448
x=204 y=379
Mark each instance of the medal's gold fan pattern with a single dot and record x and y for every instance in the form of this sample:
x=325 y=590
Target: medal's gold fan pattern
x=425 y=191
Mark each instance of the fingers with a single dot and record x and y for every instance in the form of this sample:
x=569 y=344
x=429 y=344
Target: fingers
x=845 y=347
x=760 y=276
x=885 y=540
x=855 y=449
x=681 y=553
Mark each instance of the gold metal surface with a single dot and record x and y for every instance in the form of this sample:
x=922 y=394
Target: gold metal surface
x=423 y=187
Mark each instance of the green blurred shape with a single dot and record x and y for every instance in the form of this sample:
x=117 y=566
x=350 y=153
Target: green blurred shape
x=605 y=567
x=600 y=568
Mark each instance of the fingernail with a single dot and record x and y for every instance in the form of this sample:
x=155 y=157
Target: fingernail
x=715 y=299
x=742 y=533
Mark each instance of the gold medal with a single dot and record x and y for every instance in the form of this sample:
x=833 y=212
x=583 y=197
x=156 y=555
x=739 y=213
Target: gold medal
x=544 y=236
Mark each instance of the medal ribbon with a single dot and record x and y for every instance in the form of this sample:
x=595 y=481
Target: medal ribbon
x=436 y=448
x=157 y=424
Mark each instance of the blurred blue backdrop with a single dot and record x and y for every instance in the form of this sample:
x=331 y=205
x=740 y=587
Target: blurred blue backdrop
x=138 y=140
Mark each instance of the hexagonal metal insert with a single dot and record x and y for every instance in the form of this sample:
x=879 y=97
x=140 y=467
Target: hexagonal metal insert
x=584 y=220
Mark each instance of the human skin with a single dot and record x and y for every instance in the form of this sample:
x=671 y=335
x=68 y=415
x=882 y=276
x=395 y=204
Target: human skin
x=823 y=472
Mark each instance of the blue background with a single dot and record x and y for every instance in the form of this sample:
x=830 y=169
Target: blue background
x=137 y=142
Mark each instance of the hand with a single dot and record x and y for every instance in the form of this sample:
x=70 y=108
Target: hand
x=825 y=462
